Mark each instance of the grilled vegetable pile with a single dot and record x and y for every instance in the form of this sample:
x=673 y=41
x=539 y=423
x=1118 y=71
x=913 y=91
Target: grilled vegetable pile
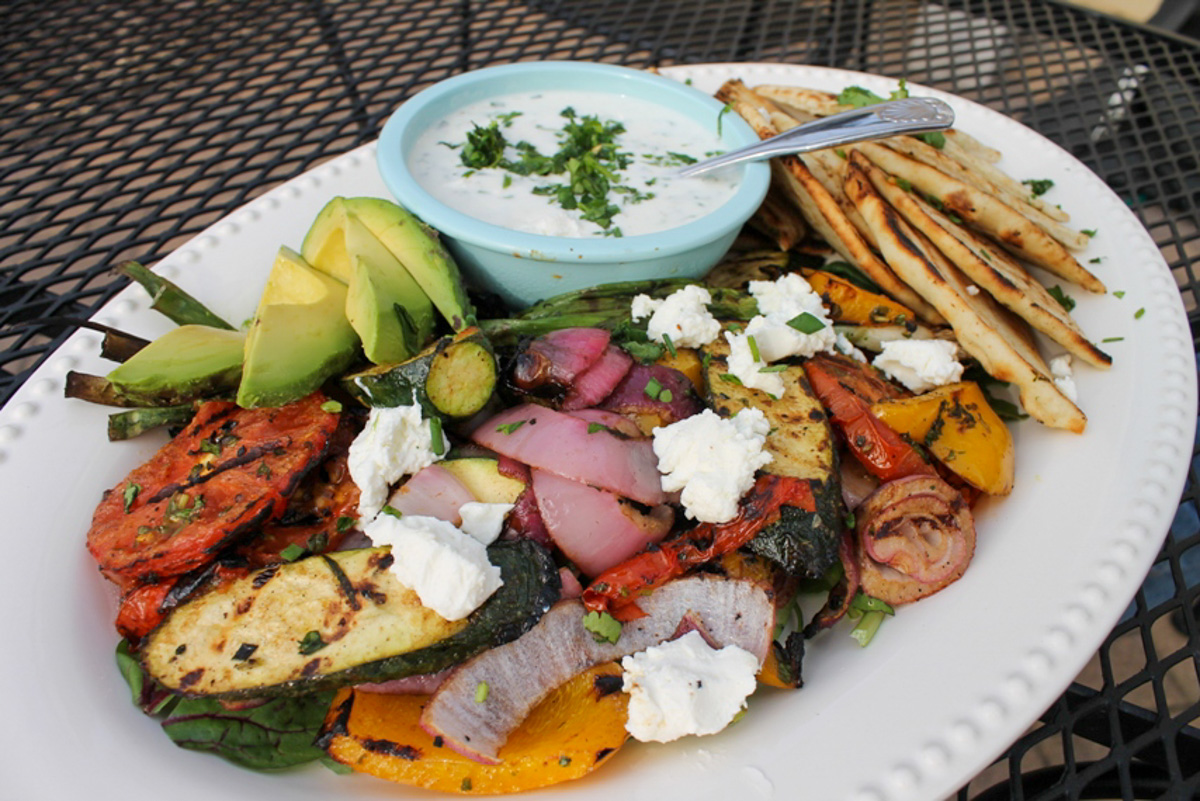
x=467 y=554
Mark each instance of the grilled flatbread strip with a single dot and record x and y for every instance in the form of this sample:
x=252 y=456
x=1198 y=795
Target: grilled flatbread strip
x=990 y=268
x=778 y=218
x=819 y=208
x=986 y=213
x=1000 y=341
x=987 y=178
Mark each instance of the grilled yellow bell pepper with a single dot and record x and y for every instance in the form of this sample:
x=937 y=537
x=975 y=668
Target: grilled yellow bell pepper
x=960 y=429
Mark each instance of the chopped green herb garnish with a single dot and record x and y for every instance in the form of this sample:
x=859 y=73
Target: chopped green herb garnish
x=291 y=553
x=331 y=406
x=728 y=108
x=670 y=345
x=850 y=520
x=773 y=368
x=603 y=626
x=564 y=760
x=731 y=378
x=1137 y=315
x=867 y=625
x=595 y=428
x=484 y=147
x=867 y=603
x=1089 y=232
x=903 y=183
x=666 y=396
x=263 y=470
x=1064 y=300
x=481 y=692
x=1095 y=260
x=437 y=442
x=840 y=153
x=1113 y=339
x=466 y=784
x=1120 y=293
x=1038 y=186
x=391 y=510
x=653 y=389
x=130 y=495
x=344 y=523
x=312 y=643
x=508 y=428
x=753 y=343
x=806 y=323
x=933 y=139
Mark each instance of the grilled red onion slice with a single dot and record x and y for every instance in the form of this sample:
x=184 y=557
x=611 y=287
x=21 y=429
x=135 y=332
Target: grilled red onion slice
x=596 y=382
x=423 y=684
x=916 y=536
x=562 y=444
x=554 y=360
x=617 y=423
x=594 y=528
x=521 y=673
x=653 y=389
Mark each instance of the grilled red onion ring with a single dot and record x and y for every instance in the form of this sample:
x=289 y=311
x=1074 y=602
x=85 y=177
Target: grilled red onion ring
x=916 y=535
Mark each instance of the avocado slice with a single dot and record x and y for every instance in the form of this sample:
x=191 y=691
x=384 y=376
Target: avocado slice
x=482 y=477
x=300 y=335
x=186 y=363
x=414 y=245
x=386 y=306
x=419 y=249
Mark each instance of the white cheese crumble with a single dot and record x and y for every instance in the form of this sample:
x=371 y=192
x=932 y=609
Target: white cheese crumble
x=1064 y=378
x=779 y=303
x=685 y=686
x=920 y=364
x=395 y=443
x=712 y=459
x=683 y=316
x=448 y=570
x=483 y=521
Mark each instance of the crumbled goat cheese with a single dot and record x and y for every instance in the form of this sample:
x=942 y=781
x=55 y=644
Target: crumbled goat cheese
x=685 y=686
x=395 y=443
x=779 y=302
x=683 y=316
x=1064 y=379
x=483 y=521
x=972 y=290
x=712 y=459
x=447 y=569
x=920 y=364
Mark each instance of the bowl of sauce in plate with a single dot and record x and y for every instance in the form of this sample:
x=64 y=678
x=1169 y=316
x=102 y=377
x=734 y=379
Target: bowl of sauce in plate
x=547 y=177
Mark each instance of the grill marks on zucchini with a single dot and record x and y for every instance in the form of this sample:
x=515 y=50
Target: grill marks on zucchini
x=801 y=443
x=370 y=626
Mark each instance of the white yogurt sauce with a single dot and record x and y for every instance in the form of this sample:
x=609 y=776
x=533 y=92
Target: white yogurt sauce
x=651 y=134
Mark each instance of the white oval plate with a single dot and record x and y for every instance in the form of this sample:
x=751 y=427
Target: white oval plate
x=944 y=688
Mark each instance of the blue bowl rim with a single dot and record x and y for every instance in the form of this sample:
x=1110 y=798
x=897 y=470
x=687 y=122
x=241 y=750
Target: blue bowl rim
x=467 y=230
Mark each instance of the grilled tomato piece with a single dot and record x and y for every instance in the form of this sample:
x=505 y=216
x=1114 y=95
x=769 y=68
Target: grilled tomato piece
x=227 y=473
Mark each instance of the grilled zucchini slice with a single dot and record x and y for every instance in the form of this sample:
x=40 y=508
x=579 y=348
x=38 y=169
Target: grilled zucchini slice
x=333 y=620
x=801 y=443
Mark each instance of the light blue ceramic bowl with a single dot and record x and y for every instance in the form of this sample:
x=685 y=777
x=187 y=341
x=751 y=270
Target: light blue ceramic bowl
x=523 y=268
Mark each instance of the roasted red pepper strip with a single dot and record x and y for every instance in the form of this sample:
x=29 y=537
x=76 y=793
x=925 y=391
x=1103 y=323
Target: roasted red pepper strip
x=847 y=389
x=616 y=590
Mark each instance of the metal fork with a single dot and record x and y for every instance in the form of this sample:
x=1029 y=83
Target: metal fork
x=910 y=115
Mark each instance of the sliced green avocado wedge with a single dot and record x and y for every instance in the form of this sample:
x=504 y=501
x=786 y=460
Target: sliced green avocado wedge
x=185 y=364
x=300 y=335
x=413 y=244
x=421 y=252
x=391 y=313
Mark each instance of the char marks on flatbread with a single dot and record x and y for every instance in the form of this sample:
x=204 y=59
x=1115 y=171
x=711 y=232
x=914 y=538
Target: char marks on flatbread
x=1001 y=342
x=989 y=267
x=986 y=213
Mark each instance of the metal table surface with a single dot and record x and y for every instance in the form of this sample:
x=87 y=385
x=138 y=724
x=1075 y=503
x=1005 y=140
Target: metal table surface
x=127 y=126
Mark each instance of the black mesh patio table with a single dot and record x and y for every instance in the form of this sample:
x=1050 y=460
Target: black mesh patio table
x=130 y=126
